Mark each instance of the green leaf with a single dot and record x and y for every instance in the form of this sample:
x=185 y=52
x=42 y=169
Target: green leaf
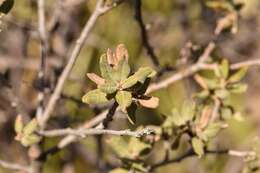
x=105 y=68
x=226 y=112
x=222 y=93
x=128 y=149
x=124 y=99
x=224 y=68
x=198 y=146
x=119 y=170
x=123 y=69
x=108 y=87
x=202 y=94
x=6 y=6
x=29 y=140
x=238 y=88
x=177 y=118
x=139 y=76
x=137 y=148
x=95 y=97
x=211 y=131
x=120 y=146
x=212 y=83
x=30 y=127
x=188 y=110
x=239 y=75
x=18 y=125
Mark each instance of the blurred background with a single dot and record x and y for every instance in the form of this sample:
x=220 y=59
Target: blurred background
x=172 y=25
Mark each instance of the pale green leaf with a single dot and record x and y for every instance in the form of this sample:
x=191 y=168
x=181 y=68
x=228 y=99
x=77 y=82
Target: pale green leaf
x=188 y=110
x=124 y=99
x=119 y=170
x=239 y=75
x=30 y=140
x=30 y=127
x=224 y=68
x=95 y=97
x=108 y=87
x=238 y=88
x=198 y=146
x=211 y=131
x=139 y=76
x=18 y=125
x=222 y=93
x=105 y=68
x=123 y=69
x=177 y=118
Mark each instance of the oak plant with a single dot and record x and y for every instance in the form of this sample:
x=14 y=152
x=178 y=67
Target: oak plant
x=191 y=127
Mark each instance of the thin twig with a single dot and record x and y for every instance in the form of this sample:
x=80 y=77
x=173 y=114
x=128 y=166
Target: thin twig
x=43 y=45
x=186 y=72
x=14 y=166
x=144 y=35
x=255 y=62
x=99 y=10
x=191 y=153
x=86 y=132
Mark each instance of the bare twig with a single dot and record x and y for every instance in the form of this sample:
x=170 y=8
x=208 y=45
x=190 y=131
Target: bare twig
x=255 y=62
x=86 y=132
x=191 y=153
x=186 y=72
x=144 y=35
x=14 y=166
x=43 y=43
x=99 y=10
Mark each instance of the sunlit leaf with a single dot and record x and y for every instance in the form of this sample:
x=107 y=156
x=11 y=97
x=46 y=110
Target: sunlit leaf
x=124 y=99
x=18 y=125
x=95 y=97
x=222 y=93
x=198 y=146
x=119 y=170
x=211 y=131
x=30 y=140
x=224 y=68
x=139 y=76
x=108 y=87
x=123 y=69
x=239 y=75
x=105 y=68
x=238 y=88
x=30 y=127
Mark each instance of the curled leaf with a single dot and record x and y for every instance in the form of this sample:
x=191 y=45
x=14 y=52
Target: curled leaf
x=152 y=102
x=95 y=78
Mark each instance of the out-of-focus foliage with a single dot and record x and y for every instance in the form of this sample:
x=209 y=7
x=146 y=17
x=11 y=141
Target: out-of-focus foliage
x=182 y=119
